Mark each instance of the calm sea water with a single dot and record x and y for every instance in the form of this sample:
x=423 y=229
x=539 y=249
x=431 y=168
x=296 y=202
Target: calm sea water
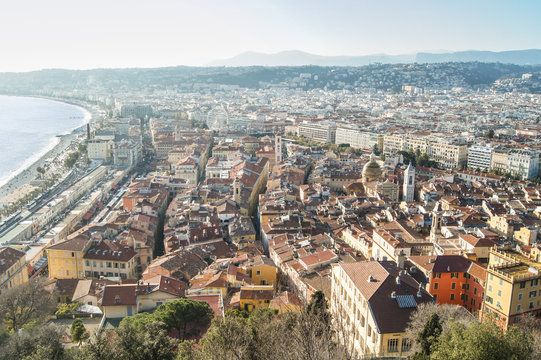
x=28 y=129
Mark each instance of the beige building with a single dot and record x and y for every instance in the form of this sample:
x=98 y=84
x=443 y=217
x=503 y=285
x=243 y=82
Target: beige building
x=13 y=271
x=188 y=169
x=499 y=159
x=371 y=302
x=447 y=152
x=100 y=149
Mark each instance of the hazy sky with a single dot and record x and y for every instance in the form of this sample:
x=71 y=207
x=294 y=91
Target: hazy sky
x=36 y=34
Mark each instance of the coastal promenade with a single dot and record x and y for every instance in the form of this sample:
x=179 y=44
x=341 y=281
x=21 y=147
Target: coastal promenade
x=20 y=185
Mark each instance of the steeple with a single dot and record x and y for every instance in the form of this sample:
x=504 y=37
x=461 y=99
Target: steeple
x=435 y=230
x=408 y=190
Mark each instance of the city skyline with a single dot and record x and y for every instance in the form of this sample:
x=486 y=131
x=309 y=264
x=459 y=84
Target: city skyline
x=60 y=34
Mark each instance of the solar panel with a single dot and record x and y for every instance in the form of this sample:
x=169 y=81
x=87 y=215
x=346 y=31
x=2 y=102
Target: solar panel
x=406 y=301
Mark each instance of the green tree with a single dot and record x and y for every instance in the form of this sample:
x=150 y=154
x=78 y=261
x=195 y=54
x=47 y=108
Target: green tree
x=98 y=347
x=38 y=343
x=78 y=331
x=482 y=341
x=139 y=321
x=490 y=134
x=40 y=171
x=152 y=342
x=428 y=337
x=185 y=316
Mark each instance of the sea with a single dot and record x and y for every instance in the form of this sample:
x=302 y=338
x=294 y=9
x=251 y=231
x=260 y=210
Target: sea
x=29 y=128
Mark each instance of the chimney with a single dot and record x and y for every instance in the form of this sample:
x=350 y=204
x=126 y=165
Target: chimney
x=398 y=280
x=393 y=295
x=400 y=260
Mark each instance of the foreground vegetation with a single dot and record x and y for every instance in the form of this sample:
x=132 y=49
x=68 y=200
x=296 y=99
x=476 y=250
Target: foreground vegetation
x=173 y=332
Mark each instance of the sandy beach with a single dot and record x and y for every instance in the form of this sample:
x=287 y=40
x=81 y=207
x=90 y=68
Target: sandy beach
x=20 y=185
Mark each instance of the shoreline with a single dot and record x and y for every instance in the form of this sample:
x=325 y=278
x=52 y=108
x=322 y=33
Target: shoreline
x=26 y=175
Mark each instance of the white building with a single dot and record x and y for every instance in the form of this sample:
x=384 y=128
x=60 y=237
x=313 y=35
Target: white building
x=127 y=153
x=325 y=133
x=371 y=303
x=358 y=139
x=408 y=190
x=524 y=163
x=479 y=157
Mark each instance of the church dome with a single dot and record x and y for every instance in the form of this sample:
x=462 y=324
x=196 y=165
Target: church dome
x=371 y=170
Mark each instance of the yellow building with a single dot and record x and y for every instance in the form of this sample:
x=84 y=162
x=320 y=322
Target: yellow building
x=66 y=258
x=13 y=271
x=261 y=270
x=526 y=235
x=504 y=224
x=255 y=297
x=209 y=283
x=513 y=286
x=119 y=301
x=372 y=302
x=286 y=302
x=242 y=231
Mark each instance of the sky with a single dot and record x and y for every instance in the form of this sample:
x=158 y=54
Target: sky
x=77 y=34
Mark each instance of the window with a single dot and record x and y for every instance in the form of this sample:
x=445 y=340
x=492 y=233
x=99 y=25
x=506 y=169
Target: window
x=87 y=263
x=499 y=293
x=435 y=296
x=534 y=282
x=406 y=345
x=258 y=272
x=520 y=296
x=523 y=284
x=454 y=275
x=436 y=286
x=519 y=307
x=392 y=345
x=531 y=305
x=533 y=294
x=501 y=281
x=452 y=296
x=474 y=291
x=453 y=286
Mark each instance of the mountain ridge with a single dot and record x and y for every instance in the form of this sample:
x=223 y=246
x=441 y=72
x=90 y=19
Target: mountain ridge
x=299 y=58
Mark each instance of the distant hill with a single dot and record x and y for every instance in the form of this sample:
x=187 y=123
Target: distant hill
x=299 y=58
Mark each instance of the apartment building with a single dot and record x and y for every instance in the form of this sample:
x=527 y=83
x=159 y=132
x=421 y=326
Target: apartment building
x=372 y=302
x=325 y=133
x=480 y=157
x=448 y=153
x=513 y=286
x=456 y=280
x=524 y=163
x=499 y=159
x=66 y=258
x=358 y=139
x=13 y=271
x=100 y=149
